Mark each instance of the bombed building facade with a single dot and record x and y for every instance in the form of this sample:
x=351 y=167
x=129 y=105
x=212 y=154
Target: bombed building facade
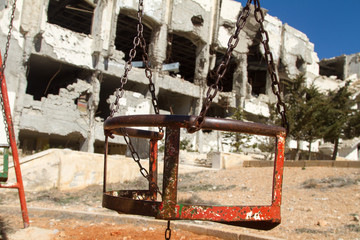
x=67 y=57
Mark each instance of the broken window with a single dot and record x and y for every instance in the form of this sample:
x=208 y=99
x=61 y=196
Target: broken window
x=182 y=50
x=126 y=31
x=108 y=87
x=300 y=64
x=113 y=148
x=333 y=67
x=75 y=15
x=46 y=76
x=256 y=68
x=34 y=141
x=226 y=83
x=175 y=103
x=216 y=111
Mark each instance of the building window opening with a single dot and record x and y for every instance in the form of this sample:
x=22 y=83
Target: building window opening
x=333 y=67
x=113 y=148
x=46 y=76
x=126 y=30
x=256 y=68
x=175 y=103
x=108 y=87
x=300 y=64
x=31 y=142
x=182 y=50
x=257 y=80
x=226 y=83
x=216 y=111
x=75 y=15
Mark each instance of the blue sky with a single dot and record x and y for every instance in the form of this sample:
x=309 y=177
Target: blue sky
x=333 y=26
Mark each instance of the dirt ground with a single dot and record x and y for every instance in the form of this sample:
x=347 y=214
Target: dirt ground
x=318 y=203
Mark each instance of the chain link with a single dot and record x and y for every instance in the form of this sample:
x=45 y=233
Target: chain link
x=275 y=84
x=7 y=46
x=3 y=66
x=136 y=159
x=139 y=40
x=168 y=231
x=221 y=70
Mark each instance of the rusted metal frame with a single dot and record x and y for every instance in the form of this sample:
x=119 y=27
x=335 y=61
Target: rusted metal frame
x=5 y=171
x=260 y=217
x=270 y=213
x=125 y=204
x=106 y=147
x=138 y=133
x=10 y=129
x=167 y=209
x=184 y=121
x=128 y=201
x=278 y=169
x=153 y=168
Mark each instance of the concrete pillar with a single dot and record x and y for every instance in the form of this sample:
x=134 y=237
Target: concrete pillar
x=202 y=64
x=88 y=144
x=240 y=79
x=158 y=46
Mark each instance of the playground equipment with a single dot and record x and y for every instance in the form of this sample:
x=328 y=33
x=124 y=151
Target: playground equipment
x=9 y=129
x=144 y=202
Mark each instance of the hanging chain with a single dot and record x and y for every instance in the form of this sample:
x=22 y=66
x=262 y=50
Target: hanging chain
x=221 y=69
x=139 y=40
x=7 y=46
x=3 y=66
x=275 y=84
x=220 y=72
x=136 y=159
x=168 y=231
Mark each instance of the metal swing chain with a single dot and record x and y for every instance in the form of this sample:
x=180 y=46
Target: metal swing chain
x=114 y=107
x=220 y=72
x=221 y=69
x=275 y=84
x=136 y=159
x=139 y=40
x=3 y=66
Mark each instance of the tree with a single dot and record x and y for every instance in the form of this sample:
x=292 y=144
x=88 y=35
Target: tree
x=295 y=100
x=236 y=139
x=314 y=120
x=339 y=113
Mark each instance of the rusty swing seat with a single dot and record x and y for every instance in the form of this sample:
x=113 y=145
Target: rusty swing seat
x=143 y=202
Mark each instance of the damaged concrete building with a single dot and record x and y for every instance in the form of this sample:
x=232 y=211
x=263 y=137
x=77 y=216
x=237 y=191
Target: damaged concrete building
x=67 y=57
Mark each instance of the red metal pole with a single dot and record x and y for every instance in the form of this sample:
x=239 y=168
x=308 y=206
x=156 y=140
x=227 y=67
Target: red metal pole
x=14 y=149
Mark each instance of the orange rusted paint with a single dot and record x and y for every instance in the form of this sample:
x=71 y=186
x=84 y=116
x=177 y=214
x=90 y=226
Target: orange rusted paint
x=19 y=182
x=153 y=171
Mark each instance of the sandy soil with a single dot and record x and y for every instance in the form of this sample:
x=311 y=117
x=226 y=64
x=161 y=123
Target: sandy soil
x=318 y=203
